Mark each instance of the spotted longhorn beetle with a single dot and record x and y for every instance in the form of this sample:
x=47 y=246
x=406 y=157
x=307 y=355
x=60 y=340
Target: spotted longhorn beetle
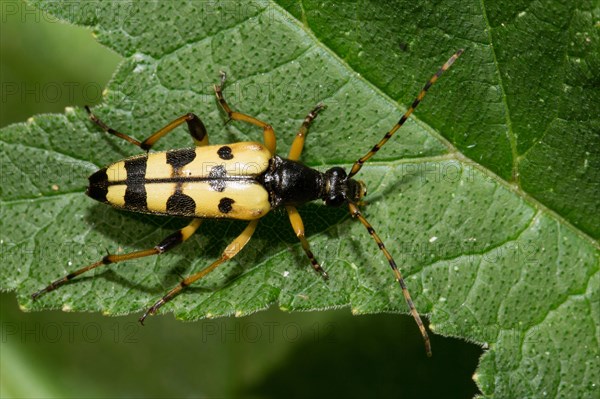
x=248 y=181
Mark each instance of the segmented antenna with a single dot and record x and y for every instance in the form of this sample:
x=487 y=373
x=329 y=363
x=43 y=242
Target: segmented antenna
x=355 y=212
x=358 y=164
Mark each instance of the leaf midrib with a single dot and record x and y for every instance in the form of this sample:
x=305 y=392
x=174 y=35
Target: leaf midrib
x=510 y=132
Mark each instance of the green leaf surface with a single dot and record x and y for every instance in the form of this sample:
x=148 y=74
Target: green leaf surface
x=487 y=198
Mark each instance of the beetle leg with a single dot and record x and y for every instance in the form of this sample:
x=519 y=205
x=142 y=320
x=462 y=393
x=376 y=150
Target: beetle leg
x=268 y=132
x=298 y=227
x=195 y=127
x=232 y=250
x=168 y=243
x=298 y=143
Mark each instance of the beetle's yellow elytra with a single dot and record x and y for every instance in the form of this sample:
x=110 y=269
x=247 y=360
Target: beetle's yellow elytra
x=242 y=200
x=238 y=159
x=209 y=182
x=157 y=196
x=116 y=195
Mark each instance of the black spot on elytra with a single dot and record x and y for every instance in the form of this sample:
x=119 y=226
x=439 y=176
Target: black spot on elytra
x=217 y=172
x=225 y=153
x=181 y=204
x=225 y=205
x=98 y=187
x=136 y=169
x=217 y=185
x=179 y=158
x=135 y=193
x=216 y=176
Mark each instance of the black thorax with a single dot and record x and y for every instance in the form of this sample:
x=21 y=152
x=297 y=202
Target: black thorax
x=292 y=183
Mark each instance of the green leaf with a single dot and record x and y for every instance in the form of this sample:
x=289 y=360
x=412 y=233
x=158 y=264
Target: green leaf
x=487 y=198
